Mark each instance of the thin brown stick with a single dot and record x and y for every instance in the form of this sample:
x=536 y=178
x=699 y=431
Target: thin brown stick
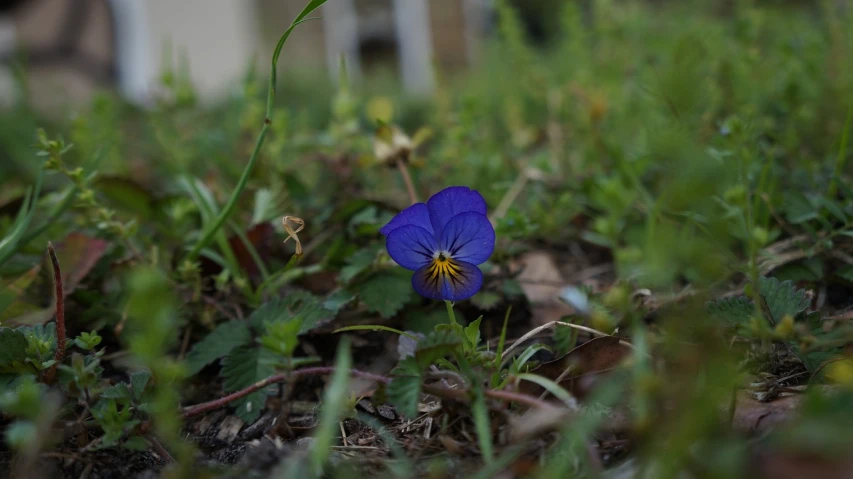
x=410 y=186
x=511 y=195
x=60 y=315
x=461 y=395
x=274 y=379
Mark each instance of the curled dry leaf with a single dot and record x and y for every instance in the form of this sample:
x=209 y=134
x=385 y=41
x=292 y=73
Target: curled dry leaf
x=292 y=233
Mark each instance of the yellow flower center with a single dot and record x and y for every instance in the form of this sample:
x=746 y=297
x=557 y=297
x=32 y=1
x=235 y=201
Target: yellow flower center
x=442 y=265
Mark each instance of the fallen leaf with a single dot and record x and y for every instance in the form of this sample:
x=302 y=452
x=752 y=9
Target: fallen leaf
x=792 y=465
x=579 y=369
x=77 y=255
x=541 y=281
x=754 y=416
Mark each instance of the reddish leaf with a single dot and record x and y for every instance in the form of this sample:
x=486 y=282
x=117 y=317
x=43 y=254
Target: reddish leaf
x=78 y=254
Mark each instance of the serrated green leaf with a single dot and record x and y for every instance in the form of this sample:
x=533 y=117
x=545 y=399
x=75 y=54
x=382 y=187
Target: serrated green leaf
x=245 y=366
x=436 y=346
x=845 y=273
x=735 y=310
x=783 y=298
x=117 y=391
x=799 y=208
x=810 y=269
x=337 y=300
x=814 y=360
x=138 y=382
x=472 y=333
x=386 y=293
x=296 y=303
x=13 y=347
x=217 y=344
x=833 y=209
x=357 y=263
x=281 y=336
x=404 y=391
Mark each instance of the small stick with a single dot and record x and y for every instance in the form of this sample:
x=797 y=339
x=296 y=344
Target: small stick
x=59 y=356
x=410 y=186
x=276 y=378
x=510 y=196
x=461 y=395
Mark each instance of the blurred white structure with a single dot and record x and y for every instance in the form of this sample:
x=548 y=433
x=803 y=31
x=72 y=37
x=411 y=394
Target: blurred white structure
x=75 y=46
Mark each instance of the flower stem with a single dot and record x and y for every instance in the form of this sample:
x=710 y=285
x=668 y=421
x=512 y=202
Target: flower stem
x=450 y=312
x=60 y=314
x=407 y=179
x=210 y=231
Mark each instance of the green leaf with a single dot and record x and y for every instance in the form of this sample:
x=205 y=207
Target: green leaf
x=217 y=344
x=41 y=340
x=138 y=382
x=799 y=208
x=486 y=300
x=337 y=300
x=551 y=387
x=20 y=434
x=524 y=357
x=404 y=391
x=13 y=347
x=118 y=391
x=127 y=195
x=810 y=269
x=386 y=293
x=783 y=298
x=436 y=346
x=833 y=209
x=245 y=366
x=814 y=359
x=296 y=303
x=281 y=336
x=845 y=273
x=472 y=333
x=335 y=400
x=357 y=263
x=135 y=443
x=734 y=310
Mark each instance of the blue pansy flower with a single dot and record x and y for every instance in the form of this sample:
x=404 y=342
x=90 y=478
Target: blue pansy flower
x=443 y=241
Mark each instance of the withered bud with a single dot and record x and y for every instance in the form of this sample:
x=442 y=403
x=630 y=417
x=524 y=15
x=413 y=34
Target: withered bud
x=391 y=145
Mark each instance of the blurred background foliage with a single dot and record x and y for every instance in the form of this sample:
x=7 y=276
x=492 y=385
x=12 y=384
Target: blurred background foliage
x=679 y=139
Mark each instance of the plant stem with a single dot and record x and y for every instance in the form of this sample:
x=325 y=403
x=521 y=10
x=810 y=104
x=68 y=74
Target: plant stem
x=60 y=315
x=54 y=215
x=210 y=232
x=450 y=312
x=407 y=179
x=841 y=159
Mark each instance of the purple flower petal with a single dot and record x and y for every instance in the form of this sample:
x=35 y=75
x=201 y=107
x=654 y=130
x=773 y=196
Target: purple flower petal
x=417 y=215
x=449 y=202
x=411 y=246
x=468 y=237
x=448 y=280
